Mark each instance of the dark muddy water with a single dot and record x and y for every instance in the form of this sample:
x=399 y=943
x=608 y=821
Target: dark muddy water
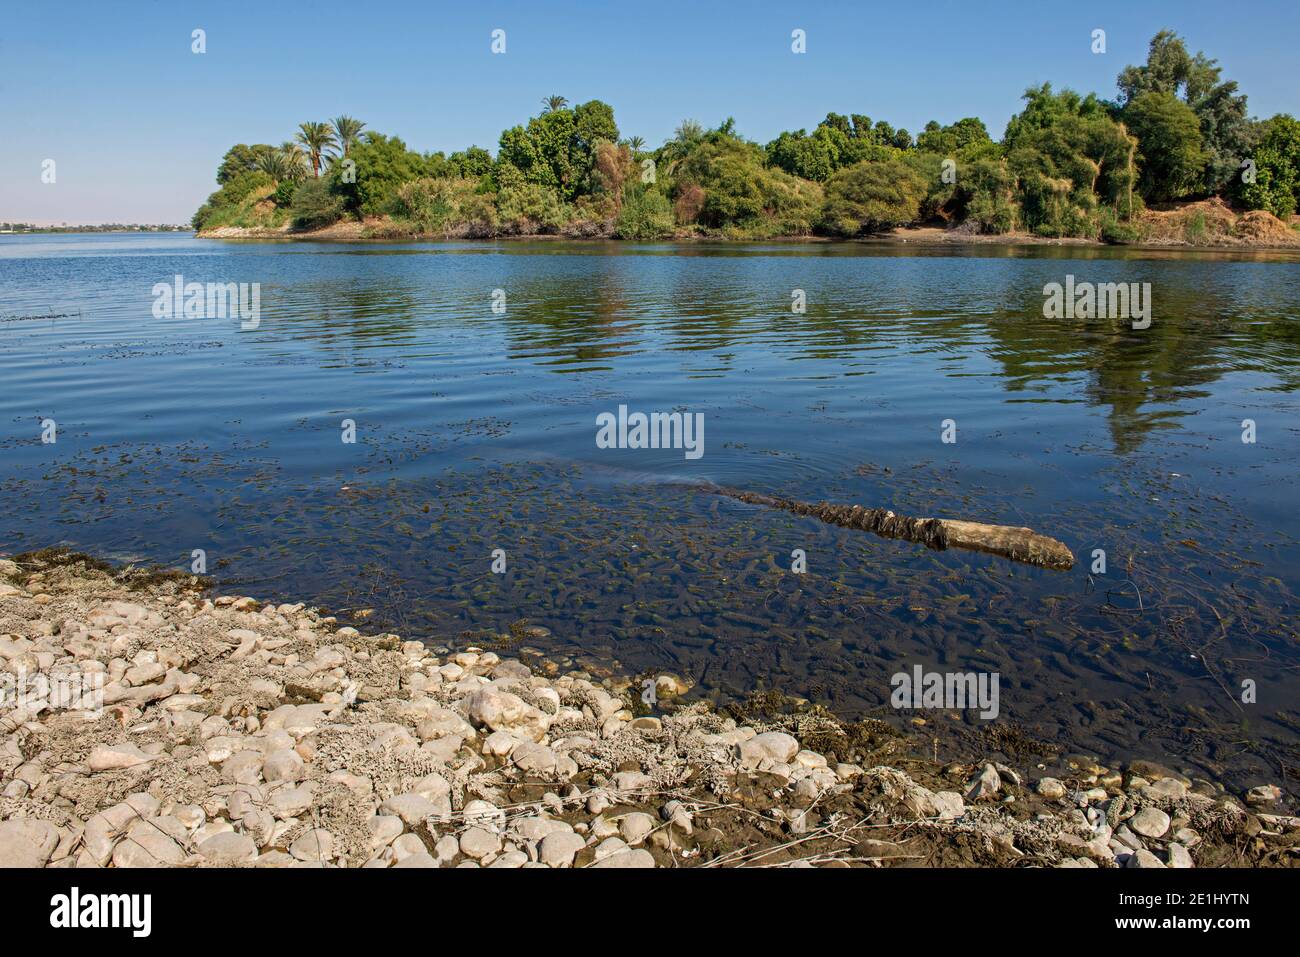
x=476 y=430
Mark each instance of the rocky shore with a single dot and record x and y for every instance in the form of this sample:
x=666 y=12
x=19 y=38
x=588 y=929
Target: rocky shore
x=236 y=733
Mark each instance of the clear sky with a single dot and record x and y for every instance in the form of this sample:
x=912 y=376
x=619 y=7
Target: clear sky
x=137 y=123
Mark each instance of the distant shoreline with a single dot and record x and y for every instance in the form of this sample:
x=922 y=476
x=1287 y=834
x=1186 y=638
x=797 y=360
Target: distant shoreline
x=380 y=232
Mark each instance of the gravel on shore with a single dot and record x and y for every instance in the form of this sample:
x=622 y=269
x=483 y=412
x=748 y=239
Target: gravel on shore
x=236 y=733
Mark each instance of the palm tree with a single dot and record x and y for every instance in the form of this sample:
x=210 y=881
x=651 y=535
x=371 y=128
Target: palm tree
x=296 y=159
x=635 y=143
x=347 y=131
x=689 y=135
x=689 y=132
x=317 y=137
x=275 y=165
x=553 y=103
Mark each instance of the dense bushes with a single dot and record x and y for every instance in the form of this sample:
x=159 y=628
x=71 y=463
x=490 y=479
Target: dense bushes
x=1070 y=159
x=382 y=165
x=644 y=214
x=986 y=195
x=1276 y=185
x=1169 y=140
x=445 y=205
x=1068 y=165
x=872 y=195
x=527 y=207
x=240 y=191
x=315 y=204
x=556 y=149
x=722 y=183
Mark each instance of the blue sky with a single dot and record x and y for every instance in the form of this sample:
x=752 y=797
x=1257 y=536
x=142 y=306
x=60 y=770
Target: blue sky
x=137 y=123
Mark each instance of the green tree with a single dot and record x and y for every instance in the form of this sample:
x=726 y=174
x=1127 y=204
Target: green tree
x=689 y=132
x=471 y=163
x=1169 y=145
x=241 y=158
x=951 y=140
x=556 y=149
x=1276 y=185
x=645 y=214
x=383 y=163
x=347 y=131
x=297 y=159
x=314 y=205
x=316 y=138
x=811 y=157
x=837 y=142
x=552 y=103
x=275 y=165
x=730 y=177
x=872 y=196
x=1069 y=158
x=1226 y=130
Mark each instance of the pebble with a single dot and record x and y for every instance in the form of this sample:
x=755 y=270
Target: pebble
x=559 y=848
x=984 y=785
x=1143 y=858
x=228 y=848
x=635 y=857
x=1150 y=822
x=479 y=843
x=1263 y=794
x=636 y=827
x=1050 y=788
x=1179 y=856
x=1170 y=789
x=774 y=746
x=114 y=757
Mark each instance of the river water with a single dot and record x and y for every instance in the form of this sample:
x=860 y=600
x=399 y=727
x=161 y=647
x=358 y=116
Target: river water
x=475 y=430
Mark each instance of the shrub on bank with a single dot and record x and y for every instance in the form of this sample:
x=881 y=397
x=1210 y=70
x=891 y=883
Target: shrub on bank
x=314 y=205
x=441 y=206
x=645 y=214
x=527 y=207
x=871 y=196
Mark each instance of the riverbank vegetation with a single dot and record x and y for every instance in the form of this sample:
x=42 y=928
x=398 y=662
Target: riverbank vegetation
x=1068 y=165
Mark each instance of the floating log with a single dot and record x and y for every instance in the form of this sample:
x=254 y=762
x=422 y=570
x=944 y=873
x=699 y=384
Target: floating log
x=1009 y=541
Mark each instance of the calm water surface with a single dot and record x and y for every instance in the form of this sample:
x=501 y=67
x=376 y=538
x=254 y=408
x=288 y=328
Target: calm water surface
x=476 y=431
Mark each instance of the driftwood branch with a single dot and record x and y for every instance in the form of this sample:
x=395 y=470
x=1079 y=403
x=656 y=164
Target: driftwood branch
x=1018 y=544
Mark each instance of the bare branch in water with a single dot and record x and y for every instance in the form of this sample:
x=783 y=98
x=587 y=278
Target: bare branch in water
x=1008 y=541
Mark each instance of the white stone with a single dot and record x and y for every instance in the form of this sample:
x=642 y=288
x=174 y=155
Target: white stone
x=411 y=808
x=774 y=746
x=634 y=857
x=1179 y=856
x=1051 y=788
x=228 y=848
x=636 y=827
x=1150 y=822
x=558 y=848
x=316 y=844
x=478 y=843
x=113 y=757
x=26 y=842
